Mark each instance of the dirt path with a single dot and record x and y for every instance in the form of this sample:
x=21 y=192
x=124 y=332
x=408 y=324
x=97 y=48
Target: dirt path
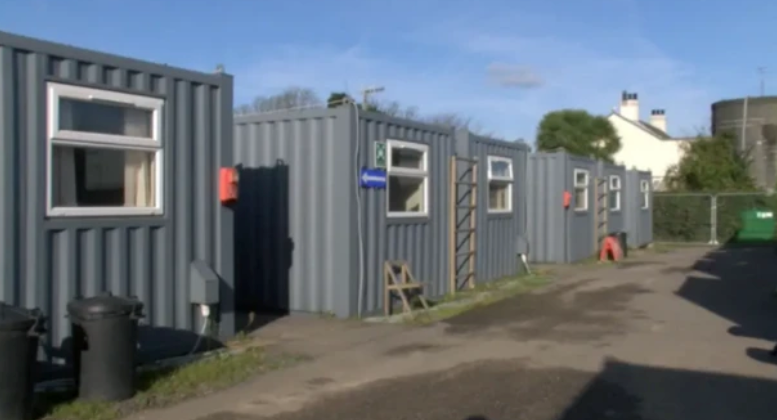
x=670 y=336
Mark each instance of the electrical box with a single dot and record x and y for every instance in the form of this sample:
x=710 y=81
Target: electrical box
x=522 y=245
x=204 y=284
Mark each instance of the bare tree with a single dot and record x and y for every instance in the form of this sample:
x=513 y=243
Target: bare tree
x=297 y=97
x=395 y=109
x=291 y=97
x=452 y=119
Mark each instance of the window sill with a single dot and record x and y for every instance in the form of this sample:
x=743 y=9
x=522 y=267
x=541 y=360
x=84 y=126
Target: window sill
x=406 y=218
x=103 y=211
x=585 y=210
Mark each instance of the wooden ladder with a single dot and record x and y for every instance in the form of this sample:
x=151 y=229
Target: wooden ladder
x=463 y=206
x=601 y=211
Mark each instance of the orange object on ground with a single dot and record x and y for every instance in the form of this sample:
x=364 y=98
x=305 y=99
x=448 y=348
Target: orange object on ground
x=612 y=248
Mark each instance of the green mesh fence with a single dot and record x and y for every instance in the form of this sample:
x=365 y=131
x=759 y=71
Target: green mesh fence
x=682 y=218
x=689 y=217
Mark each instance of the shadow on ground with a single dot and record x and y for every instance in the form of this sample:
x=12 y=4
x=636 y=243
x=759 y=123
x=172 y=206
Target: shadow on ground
x=508 y=390
x=738 y=284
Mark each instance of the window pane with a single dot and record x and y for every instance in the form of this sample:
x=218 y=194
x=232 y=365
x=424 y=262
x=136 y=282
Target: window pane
x=102 y=118
x=580 y=198
x=405 y=157
x=406 y=194
x=92 y=177
x=500 y=168
x=580 y=178
x=615 y=183
x=614 y=199
x=498 y=196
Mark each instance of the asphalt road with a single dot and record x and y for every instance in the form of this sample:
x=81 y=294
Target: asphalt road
x=660 y=331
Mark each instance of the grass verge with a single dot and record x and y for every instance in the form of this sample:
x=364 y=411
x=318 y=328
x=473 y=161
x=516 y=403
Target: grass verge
x=481 y=295
x=664 y=247
x=164 y=387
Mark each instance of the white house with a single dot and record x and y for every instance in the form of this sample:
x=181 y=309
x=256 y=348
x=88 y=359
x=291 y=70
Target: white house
x=645 y=145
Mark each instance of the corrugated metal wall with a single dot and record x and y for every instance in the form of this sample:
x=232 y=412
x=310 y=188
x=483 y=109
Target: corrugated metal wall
x=645 y=220
x=45 y=262
x=298 y=240
x=497 y=234
x=546 y=221
x=556 y=234
x=639 y=221
x=631 y=205
x=423 y=242
x=581 y=223
x=293 y=226
x=615 y=218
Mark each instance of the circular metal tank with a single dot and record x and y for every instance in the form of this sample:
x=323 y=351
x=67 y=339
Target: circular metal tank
x=760 y=133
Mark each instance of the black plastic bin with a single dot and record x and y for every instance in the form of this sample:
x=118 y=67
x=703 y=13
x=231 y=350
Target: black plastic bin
x=105 y=331
x=624 y=243
x=20 y=330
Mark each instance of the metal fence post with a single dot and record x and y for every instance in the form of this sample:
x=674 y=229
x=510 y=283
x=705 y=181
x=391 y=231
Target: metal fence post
x=713 y=220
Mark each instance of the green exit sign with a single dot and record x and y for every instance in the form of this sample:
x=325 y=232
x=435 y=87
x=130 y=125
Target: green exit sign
x=380 y=154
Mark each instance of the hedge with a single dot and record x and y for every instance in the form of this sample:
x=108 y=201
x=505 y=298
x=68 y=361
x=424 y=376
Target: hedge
x=679 y=217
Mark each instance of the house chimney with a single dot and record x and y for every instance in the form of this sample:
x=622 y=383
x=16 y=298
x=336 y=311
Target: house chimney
x=658 y=119
x=629 y=106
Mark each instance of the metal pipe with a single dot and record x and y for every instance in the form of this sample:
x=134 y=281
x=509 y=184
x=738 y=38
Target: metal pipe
x=359 y=229
x=744 y=125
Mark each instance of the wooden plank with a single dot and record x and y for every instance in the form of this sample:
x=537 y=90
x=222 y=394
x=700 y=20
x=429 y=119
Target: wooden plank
x=472 y=223
x=406 y=281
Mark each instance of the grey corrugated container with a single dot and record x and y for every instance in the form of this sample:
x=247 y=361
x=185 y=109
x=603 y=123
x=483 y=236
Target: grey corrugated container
x=639 y=220
x=298 y=243
x=616 y=215
x=558 y=234
x=497 y=234
x=47 y=261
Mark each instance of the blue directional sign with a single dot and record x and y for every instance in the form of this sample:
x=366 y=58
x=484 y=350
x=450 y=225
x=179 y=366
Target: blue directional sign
x=372 y=178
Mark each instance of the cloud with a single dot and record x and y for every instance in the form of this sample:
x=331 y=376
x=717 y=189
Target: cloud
x=511 y=75
x=590 y=76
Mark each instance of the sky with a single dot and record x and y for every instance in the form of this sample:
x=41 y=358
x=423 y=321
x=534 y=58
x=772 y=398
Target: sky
x=502 y=63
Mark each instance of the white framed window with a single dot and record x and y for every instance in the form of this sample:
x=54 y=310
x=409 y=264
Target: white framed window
x=644 y=190
x=104 y=152
x=408 y=179
x=614 y=193
x=581 y=181
x=500 y=184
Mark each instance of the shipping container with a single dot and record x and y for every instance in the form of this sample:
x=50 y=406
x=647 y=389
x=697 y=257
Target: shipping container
x=108 y=179
x=617 y=189
x=639 y=208
x=569 y=213
x=500 y=226
x=313 y=235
